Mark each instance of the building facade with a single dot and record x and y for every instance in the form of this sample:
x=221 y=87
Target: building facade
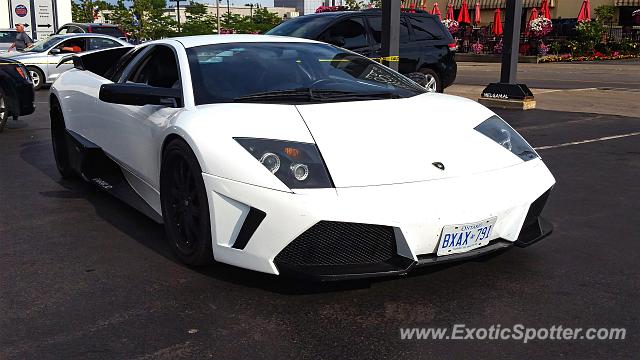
x=306 y=6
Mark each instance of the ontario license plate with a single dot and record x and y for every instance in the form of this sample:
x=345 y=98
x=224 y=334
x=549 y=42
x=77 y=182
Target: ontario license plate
x=464 y=237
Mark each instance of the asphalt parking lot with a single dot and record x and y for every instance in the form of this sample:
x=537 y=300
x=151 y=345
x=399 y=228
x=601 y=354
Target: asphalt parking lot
x=82 y=275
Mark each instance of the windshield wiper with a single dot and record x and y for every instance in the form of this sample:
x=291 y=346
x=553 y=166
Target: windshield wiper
x=307 y=94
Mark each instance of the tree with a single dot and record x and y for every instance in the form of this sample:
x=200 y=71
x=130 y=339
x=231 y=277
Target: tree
x=83 y=11
x=264 y=20
x=199 y=21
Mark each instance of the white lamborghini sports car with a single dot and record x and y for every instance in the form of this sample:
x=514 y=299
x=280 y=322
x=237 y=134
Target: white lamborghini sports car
x=290 y=156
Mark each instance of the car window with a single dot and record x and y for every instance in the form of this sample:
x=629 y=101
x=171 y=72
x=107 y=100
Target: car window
x=7 y=36
x=305 y=26
x=227 y=72
x=425 y=28
x=157 y=68
x=102 y=43
x=116 y=71
x=375 y=23
x=72 y=46
x=107 y=30
x=63 y=30
x=74 y=30
x=352 y=30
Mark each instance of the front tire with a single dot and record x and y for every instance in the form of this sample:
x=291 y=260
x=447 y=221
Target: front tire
x=4 y=110
x=37 y=77
x=59 y=142
x=185 y=208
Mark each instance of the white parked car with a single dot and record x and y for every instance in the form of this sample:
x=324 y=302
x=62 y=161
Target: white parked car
x=291 y=156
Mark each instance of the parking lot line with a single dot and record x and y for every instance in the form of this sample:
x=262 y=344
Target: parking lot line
x=587 y=141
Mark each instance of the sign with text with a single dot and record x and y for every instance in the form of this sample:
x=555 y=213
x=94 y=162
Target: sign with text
x=20 y=13
x=45 y=19
x=40 y=15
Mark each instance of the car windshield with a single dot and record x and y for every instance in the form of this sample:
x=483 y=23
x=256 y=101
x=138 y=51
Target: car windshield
x=44 y=44
x=304 y=27
x=290 y=72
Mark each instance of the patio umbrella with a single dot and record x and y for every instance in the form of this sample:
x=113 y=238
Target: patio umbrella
x=463 y=16
x=544 y=9
x=534 y=15
x=476 y=15
x=436 y=10
x=585 y=11
x=450 y=12
x=497 y=23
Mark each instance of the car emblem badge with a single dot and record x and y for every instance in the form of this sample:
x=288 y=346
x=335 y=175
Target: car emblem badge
x=439 y=165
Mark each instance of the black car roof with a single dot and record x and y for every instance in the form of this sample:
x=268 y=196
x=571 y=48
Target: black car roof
x=365 y=11
x=92 y=24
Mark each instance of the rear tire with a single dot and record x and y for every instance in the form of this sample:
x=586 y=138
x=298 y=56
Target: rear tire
x=59 y=142
x=37 y=77
x=433 y=80
x=185 y=208
x=4 y=110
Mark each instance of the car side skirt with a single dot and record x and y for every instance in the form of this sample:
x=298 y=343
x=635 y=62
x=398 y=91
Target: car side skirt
x=88 y=160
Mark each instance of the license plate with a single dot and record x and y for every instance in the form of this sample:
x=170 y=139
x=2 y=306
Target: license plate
x=464 y=237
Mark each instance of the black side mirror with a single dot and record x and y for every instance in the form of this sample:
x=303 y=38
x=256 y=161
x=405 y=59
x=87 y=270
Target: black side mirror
x=140 y=94
x=337 y=40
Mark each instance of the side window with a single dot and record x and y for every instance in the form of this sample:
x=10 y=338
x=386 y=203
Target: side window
x=115 y=73
x=375 y=23
x=425 y=28
x=74 y=30
x=72 y=46
x=157 y=68
x=101 y=43
x=63 y=30
x=351 y=30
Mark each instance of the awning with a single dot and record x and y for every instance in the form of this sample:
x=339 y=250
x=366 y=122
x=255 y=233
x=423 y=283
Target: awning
x=626 y=3
x=495 y=4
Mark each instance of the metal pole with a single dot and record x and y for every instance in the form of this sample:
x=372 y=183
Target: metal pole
x=391 y=31
x=218 y=15
x=511 y=47
x=178 y=11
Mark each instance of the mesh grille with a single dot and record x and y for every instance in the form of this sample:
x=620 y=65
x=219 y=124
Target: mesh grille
x=340 y=243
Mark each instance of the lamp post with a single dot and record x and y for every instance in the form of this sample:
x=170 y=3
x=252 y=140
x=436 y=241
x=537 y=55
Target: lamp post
x=178 y=11
x=218 y=15
x=507 y=93
x=390 y=46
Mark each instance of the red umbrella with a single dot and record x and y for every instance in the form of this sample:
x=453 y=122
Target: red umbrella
x=544 y=9
x=436 y=10
x=585 y=11
x=534 y=15
x=449 y=12
x=463 y=16
x=476 y=15
x=497 y=23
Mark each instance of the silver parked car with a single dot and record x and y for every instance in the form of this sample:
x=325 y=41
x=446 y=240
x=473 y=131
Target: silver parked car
x=43 y=57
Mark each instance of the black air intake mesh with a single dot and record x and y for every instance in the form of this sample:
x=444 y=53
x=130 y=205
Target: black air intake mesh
x=340 y=243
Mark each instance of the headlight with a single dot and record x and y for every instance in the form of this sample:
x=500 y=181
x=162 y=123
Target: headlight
x=297 y=165
x=499 y=131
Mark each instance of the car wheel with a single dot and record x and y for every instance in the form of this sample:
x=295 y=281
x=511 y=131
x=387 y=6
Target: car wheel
x=4 y=110
x=59 y=142
x=37 y=77
x=185 y=209
x=433 y=83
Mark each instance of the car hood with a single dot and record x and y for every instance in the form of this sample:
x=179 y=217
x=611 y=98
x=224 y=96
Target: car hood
x=366 y=143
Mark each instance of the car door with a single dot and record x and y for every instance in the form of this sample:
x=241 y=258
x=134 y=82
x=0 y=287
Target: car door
x=136 y=130
x=349 y=33
x=56 y=54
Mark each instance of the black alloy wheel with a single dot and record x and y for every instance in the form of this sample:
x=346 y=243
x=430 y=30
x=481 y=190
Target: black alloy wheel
x=185 y=209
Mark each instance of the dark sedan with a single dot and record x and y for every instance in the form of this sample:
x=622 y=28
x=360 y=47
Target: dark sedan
x=16 y=91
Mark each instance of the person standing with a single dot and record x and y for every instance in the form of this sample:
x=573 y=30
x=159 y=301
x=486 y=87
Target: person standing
x=22 y=40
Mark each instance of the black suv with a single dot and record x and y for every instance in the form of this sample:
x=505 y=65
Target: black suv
x=98 y=28
x=424 y=41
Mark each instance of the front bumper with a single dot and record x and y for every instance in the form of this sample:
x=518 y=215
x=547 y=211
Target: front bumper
x=416 y=213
